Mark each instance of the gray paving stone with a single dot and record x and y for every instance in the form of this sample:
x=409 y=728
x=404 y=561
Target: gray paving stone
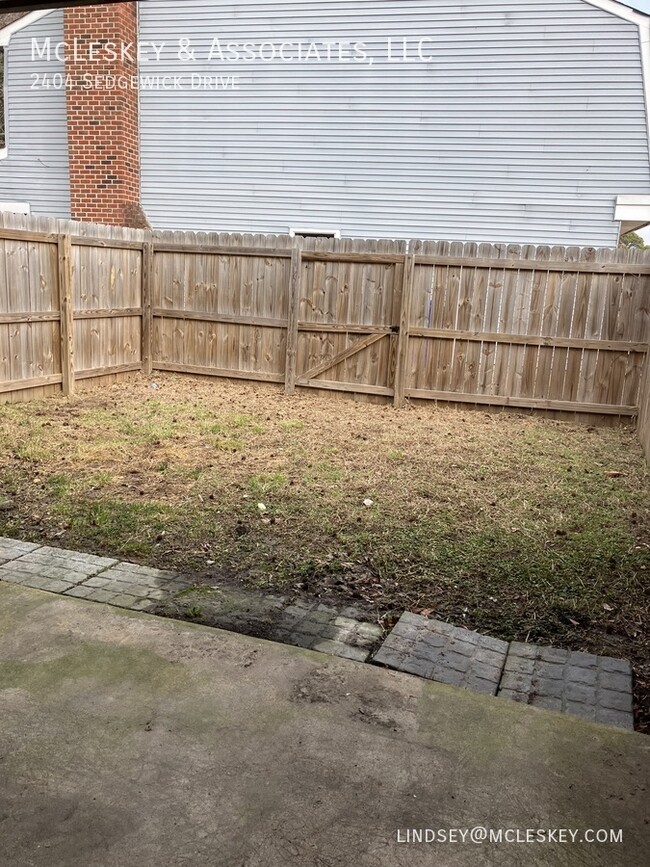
x=346 y=623
x=127 y=588
x=96 y=582
x=580 y=709
x=19 y=566
x=551 y=671
x=56 y=564
x=11 y=549
x=131 y=573
x=487 y=656
x=298 y=640
x=439 y=651
x=350 y=611
x=76 y=560
x=591 y=687
x=422 y=667
x=52 y=585
x=298 y=609
x=124 y=601
x=620 y=719
x=479 y=684
x=309 y=627
x=370 y=631
x=367 y=641
x=157 y=595
x=587 y=676
x=392 y=659
x=79 y=592
x=578 y=692
x=523 y=651
x=582 y=660
x=305 y=623
x=322 y=615
x=621 y=701
x=555 y=689
x=143 y=605
x=617 y=681
x=331 y=632
x=607 y=663
x=14 y=576
x=100 y=596
x=322 y=627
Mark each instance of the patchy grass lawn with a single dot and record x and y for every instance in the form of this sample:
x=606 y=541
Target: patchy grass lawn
x=520 y=527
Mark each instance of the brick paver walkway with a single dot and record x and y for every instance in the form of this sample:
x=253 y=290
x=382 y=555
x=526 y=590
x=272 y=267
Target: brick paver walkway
x=592 y=687
x=85 y=576
x=335 y=631
x=445 y=653
x=596 y=688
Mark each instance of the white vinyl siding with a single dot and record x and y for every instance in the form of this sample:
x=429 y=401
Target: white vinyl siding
x=35 y=170
x=526 y=127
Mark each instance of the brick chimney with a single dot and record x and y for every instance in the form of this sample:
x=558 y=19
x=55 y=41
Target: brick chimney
x=103 y=123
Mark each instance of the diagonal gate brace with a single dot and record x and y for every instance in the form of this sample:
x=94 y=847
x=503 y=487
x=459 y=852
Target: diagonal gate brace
x=341 y=356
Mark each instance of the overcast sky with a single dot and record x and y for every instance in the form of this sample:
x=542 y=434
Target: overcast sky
x=643 y=5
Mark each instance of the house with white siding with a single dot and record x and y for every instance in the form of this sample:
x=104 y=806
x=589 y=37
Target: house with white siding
x=522 y=121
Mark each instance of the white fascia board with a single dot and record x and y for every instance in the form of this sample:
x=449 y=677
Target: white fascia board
x=7 y=32
x=620 y=9
x=633 y=209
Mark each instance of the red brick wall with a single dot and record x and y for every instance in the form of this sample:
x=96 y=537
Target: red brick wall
x=103 y=132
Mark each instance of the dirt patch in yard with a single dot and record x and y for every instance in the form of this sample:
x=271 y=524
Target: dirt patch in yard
x=521 y=527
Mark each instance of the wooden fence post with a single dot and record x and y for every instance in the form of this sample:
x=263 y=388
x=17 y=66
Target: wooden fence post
x=66 y=307
x=643 y=417
x=292 y=320
x=404 y=328
x=147 y=307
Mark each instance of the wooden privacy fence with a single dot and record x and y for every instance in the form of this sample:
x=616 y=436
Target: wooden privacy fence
x=70 y=307
x=552 y=328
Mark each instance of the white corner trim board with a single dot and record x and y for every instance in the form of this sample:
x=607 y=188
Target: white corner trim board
x=7 y=32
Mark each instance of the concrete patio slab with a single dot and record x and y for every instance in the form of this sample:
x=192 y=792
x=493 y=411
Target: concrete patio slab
x=131 y=740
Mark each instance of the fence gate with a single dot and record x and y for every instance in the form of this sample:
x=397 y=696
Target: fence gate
x=349 y=308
